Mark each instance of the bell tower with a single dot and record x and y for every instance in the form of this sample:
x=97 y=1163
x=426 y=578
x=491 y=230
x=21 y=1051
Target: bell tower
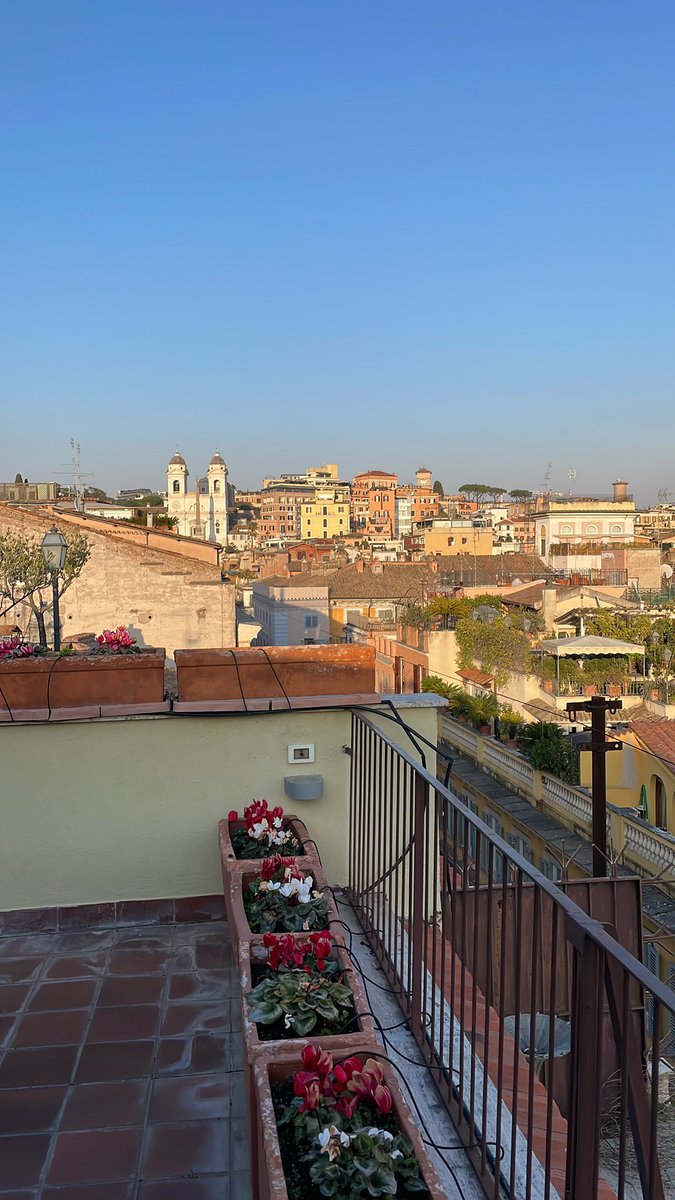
x=217 y=485
x=176 y=477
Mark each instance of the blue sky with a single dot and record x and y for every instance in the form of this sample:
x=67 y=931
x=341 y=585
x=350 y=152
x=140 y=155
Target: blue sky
x=381 y=234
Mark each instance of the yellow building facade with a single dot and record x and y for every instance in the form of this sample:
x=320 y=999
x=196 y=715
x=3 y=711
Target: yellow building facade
x=326 y=516
x=642 y=774
x=457 y=537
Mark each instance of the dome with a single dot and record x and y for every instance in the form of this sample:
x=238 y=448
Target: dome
x=177 y=460
x=217 y=460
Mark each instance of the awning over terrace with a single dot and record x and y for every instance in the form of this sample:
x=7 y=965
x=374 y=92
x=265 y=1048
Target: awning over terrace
x=589 y=645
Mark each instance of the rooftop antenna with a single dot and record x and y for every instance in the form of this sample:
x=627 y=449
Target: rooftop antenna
x=665 y=495
x=77 y=474
x=572 y=474
x=547 y=479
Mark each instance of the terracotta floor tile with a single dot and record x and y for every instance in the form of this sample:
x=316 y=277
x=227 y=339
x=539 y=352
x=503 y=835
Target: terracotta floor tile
x=130 y=989
x=212 y=954
x=7 y=1024
x=193 y=1056
x=48 y=997
x=144 y=939
x=138 y=962
x=77 y=966
x=26 y=945
x=214 y=1187
x=86 y=941
x=194 y=985
x=185 y=1149
x=91 y=1191
x=107 y=1061
x=188 y=1019
x=30 y=1110
x=124 y=1024
x=13 y=996
x=51 y=1029
x=189 y=1098
x=95 y=1156
x=22 y=1159
x=48 y=1064
x=19 y=970
x=106 y=1105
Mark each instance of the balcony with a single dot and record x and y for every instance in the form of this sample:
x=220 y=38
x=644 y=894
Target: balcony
x=111 y=902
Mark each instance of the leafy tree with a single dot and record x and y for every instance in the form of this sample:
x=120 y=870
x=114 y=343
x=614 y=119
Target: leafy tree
x=521 y=494
x=474 y=491
x=548 y=749
x=18 y=478
x=24 y=575
x=438 y=488
x=495 y=492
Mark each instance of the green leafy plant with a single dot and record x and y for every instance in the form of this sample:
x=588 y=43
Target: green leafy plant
x=482 y=709
x=339 y=1115
x=303 y=1001
x=368 y=1162
x=548 y=749
x=284 y=898
x=496 y=648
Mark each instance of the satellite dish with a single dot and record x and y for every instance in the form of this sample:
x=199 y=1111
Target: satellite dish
x=572 y=472
x=666 y=571
x=536 y=1041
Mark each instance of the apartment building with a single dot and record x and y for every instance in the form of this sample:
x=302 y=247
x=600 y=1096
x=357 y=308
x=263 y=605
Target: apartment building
x=576 y=520
x=327 y=514
x=281 y=511
x=374 y=503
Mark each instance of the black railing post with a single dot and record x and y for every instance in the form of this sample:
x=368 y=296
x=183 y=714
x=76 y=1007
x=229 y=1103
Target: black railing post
x=417 y=939
x=586 y=1084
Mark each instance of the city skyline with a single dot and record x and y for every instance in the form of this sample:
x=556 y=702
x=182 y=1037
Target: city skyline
x=302 y=226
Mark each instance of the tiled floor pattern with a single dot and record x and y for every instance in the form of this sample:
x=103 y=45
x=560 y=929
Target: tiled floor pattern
x=120 y=1067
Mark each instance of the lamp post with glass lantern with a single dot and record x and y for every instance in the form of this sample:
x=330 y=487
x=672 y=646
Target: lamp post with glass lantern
x=54 y=550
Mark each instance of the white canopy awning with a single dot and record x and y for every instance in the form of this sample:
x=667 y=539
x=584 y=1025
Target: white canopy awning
x=585 y=647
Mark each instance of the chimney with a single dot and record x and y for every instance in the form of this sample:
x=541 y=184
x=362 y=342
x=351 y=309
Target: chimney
x=549 y=597
x=620 y=490
x=149 y=518
x=360 y=566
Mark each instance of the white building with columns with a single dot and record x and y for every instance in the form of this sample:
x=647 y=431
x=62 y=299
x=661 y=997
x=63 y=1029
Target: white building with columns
x=203 y=512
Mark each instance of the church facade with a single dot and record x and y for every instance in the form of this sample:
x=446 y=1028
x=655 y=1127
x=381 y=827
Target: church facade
x=203 y=512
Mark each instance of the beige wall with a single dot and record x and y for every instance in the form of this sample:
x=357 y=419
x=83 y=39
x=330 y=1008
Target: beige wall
x=129 y=809
x=165 y=599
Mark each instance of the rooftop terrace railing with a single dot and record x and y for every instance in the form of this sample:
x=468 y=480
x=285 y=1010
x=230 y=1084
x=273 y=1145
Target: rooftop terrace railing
x=481 y=949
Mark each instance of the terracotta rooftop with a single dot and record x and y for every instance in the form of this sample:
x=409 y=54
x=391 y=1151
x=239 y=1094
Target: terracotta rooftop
x=408 y=582
x=472 y=675
x=657 y=736
x=482 y=569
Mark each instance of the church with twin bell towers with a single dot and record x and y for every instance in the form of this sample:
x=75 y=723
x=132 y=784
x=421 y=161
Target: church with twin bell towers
x=203 y=512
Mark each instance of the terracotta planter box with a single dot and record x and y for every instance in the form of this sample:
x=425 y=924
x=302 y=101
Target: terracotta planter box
x=49 y=687
x=590 y=689
x=267 y=1168
x=274 y=677
x=338 y=1043
x=231 y=865
x=234 y=903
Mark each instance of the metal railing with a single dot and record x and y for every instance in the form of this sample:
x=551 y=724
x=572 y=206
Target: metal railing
x=481 y=948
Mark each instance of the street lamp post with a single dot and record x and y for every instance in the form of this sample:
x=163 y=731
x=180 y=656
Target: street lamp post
x=54 y=550
x=667 y=655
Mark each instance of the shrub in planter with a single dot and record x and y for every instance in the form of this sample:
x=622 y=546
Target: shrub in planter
x=301 y=989
x=264 y=832
x=285 y=899
x=340 y=1132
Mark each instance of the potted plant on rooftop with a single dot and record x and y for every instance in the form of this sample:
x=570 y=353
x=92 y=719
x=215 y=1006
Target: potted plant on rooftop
x=278 y=896
x=482 y=710
x=118 y=677
x=300 y=986
x=337 y=1128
